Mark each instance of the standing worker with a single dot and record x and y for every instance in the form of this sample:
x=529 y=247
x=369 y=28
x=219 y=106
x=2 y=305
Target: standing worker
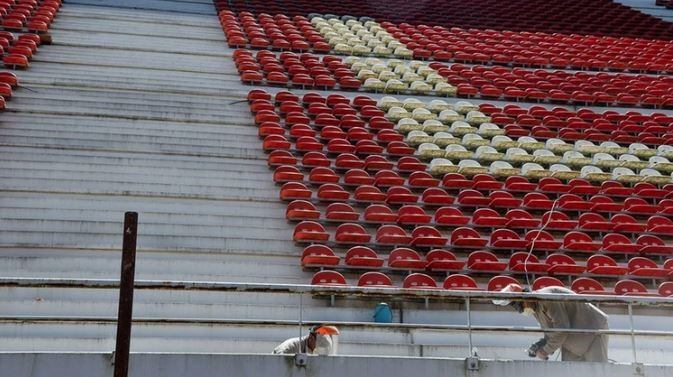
x=318 y=341
x=564 y=315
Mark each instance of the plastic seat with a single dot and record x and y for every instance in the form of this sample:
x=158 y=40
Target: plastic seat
x=328 y=278
x=660 y=225
x=497 y=283
x=405 y=258
x=619 y=243
x=640 y=206
x=436 y=196
x=379 y=213
x=423 y=179
x=350 y=233
x=624 y=223
x=284 y=174
x=361 y=256
x=487 y=217
x=632 y=288
x=546 y=281
x=594 y=222
x=419 y=281
x=400 y=195
x=588 y=286
x=443 y=260
x=450 y=216
x=572 y=202
x=580 y=242
x=665 y=289
x=472 y=198
x=460 y=282
x=301 y=210
x=294 y=190
x=525 y=262
x=537 y=200
x=319 y=255
x=340 y=212
x=358 y=177
x=519 y=218
x=411 y=214
x=392 y=235
x=467 y=237
x=502 y=199
x=541 y=240
x=375 y=279
x=484 y=261
x=604 y=265
x=653 y=245
x=563 y=264
x=322 y=175
x=427 y=236
x=310 y=231
x=332 y=192
x=645 y=267
x=369 y=194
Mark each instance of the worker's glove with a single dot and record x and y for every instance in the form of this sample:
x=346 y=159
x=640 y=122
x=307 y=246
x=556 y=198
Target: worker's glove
x=536 y=349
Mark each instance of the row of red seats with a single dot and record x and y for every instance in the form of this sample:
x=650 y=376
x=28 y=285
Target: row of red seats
x=585 y=124
x=31 y=15
x=541 y=49
x=461 y=282
x=305 y=70
x=516 y=218
x=17 y=51
x=558 y=86
x=400 y=195
x=276 y=32
x=601 y=18
x=469 y=238
x=481 y=261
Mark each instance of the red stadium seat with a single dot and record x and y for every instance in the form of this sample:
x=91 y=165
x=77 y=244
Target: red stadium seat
x=400 y=195
x=632 y=288
x=660 y=225
x=435 y=196
x=526 y=262
x=379 y=213
x=319 y=255
x=624 y=223
x=294 y=190
x=619 y=243
x=443 y=260
x=542 y=240
x=332 y=192
x=499 y=282
x=374 y=279
x=310 y=231
x=350 y=233
x=519 y=218
x=450 y=216
x=405 y=258
x=301 y=210
x=392 y=235
x=546 y=281
x=594 y=222
x=580 y=242
x=361 y=256
x=419 y=281
x=645 y=267
x=459 y=282
x=427 y=236
x=370 y=194
x=340 y=212
x=488 y=217
x=588 y=286
x=411 y=214
x=563 y=264
x=507 y=239
x=484 y=261
x=653 y=245
x=604 y=265
x=665 y=289
x=467 y=237
x=328 y=278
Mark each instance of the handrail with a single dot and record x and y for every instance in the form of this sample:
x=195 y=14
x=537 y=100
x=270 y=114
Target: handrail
x=392 y=293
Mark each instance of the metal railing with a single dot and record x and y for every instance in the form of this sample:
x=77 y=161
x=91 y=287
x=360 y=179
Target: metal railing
x=392 y=294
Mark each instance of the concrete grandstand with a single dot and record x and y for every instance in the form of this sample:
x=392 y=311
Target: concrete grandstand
x=213 y=121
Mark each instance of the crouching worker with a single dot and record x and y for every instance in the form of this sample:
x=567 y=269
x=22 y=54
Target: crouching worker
x=318 y=341
x=564 y=315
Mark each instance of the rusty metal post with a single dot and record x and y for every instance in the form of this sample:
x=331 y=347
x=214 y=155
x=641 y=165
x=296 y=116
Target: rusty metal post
x=124 y=316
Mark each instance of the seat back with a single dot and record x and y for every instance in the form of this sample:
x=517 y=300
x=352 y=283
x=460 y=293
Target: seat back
x=459 y=281
x=600 y=260
x=521 y=257
x=360 y=252
x=403 y=253
x=587 y=286
x=419 y=281
x=374 y=279
x=328 y=277
x=499 y=282
x=546 y=281
x=629 y=287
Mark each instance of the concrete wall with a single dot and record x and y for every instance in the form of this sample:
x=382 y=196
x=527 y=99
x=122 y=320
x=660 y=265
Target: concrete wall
x=180 y=365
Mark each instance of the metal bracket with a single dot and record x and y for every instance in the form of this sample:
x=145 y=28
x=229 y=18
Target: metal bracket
x=638 y=369
x=301 y=359
x=472 y=363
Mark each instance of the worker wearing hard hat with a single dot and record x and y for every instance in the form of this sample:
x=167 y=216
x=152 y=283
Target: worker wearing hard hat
x=563 y=315
x=319 y=341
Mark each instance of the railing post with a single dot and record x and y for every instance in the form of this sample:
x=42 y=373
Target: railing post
x=125 y=313
x=469 y=326
x=633 y=335
x=301 y=317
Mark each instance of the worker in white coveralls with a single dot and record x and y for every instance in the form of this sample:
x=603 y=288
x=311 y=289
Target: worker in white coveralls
x=319 y=341
x=563 y=315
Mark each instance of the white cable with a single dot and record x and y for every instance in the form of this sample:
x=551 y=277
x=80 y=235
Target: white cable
x=532 y=244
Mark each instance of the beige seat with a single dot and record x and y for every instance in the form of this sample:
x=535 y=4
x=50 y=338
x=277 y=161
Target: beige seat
x=432 y=126
x=546 y=157
x=465 y=107
x=533 y=170
x=430 y=150
x=503 y=169
x=562 y=171
x=437 y=106
x=406 y=125
x=518 y=156
x=486 y=153
x=594 y=174
x=471 y=168
x=441 y=166
x=417 y=138
x=449 y=116
x=456 y=152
